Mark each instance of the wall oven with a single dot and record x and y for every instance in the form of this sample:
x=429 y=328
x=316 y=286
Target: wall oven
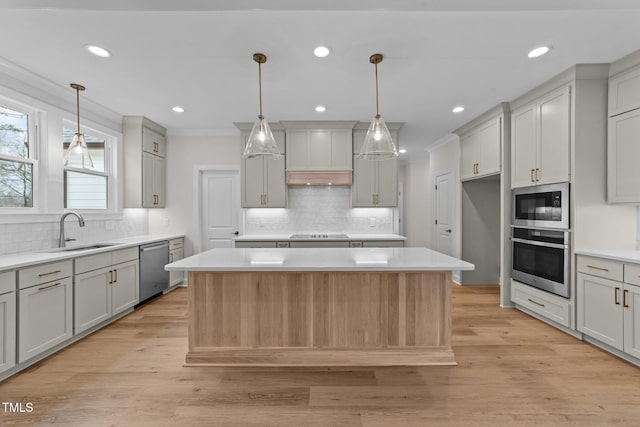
x=541 y=206
x=541 y=259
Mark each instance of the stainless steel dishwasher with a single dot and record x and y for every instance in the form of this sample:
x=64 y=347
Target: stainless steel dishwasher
x=153 y=278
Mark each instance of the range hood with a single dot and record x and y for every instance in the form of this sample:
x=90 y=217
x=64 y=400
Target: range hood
x=319 y=177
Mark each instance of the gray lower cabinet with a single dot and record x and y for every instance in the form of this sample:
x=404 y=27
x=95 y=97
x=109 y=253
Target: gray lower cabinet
x=176 y=253
x=7 y=320
x=45 y=317
x=108 y=287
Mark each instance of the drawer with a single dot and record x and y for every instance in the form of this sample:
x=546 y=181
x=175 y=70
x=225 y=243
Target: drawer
x=550 y=306
x=600 y=267
x=282 y=244
x=124 y=255
x=255 y=244
x=44 y=273
x=92 y=262
x=176 y=243
x=355 y=244
x=632 y=274
x=7 y=281
x=383 y=243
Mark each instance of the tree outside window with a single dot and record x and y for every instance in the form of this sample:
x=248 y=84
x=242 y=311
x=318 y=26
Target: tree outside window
x=16 y=168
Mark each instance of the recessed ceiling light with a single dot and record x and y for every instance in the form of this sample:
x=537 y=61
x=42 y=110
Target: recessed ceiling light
x=458 y=109
x=98 y=51
x=402 y=150
x=539 y=51
x=321 y=108
x=178 y=109
x=321 y=51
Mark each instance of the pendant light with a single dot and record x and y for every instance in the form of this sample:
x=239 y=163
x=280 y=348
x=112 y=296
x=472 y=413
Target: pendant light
x=261 y=141
x=377 y=144
x=78 y=152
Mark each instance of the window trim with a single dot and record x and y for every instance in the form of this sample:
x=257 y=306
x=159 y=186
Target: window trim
x=109 y=168
x=33 y=130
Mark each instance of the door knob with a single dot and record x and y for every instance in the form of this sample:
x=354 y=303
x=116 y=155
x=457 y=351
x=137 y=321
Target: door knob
x=448 y=230
x=236 y=233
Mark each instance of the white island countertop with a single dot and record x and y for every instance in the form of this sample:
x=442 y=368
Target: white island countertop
x=350 y=236
x=320 y=259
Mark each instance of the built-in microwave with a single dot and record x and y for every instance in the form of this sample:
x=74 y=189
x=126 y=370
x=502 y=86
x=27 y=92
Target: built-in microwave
x=541 y=206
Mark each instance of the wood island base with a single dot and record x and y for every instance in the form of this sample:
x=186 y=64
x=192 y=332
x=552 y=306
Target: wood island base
x=311 y=318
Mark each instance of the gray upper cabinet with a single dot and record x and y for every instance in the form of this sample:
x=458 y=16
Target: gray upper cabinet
x=144 y=163
x=623 y=149
x=263 y=179
x=481 y=150
x=321 y=146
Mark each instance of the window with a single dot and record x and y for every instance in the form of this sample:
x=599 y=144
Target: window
x=17 y=161
x=87 y=188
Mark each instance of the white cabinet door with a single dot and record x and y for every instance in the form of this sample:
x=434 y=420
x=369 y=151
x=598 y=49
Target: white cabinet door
x=275 y=186
x=624 y=92
x=159 y=181
x=175 y=277
x=631 y=300
x=489 y=148
x=252 y=182
x=92 y=298
x=297 y=149
x=319 y=151
x=469 y=156
x=363 y=187
x=623 y=173
x=341 y=146
x=124 y=287
x=387 y=183
x=148 y=180
x=554 y=120
x=8 y=331
x=599 y=306
x=523 y=146
x=45 y=317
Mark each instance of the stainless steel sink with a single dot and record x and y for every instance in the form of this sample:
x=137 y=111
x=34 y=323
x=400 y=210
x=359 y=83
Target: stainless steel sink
x=85 y=247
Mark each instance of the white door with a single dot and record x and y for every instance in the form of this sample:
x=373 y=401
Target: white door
x=444 y=213
x=220 y=207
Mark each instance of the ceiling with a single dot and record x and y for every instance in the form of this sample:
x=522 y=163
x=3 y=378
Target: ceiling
x=198 y=54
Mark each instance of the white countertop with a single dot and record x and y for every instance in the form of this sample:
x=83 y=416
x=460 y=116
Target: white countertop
x=631 y=256
x=319 y=259
x=22 y=259
x=287 y=237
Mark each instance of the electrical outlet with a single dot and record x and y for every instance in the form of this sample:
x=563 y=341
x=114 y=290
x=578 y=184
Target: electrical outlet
x=166 y=222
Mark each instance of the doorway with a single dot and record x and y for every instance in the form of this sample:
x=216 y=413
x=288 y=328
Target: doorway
x=217 y=207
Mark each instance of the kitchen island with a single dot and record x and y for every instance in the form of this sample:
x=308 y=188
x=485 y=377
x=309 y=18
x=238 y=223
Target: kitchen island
x=319 y=306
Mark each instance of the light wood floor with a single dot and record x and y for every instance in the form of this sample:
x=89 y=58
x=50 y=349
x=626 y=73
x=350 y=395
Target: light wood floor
x=513 y=371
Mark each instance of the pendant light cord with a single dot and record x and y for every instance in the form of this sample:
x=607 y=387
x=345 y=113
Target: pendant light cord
x=377 y=109
x=260 y=86
x=78 y=106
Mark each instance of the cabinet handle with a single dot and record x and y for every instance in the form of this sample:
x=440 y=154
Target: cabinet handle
x=625 y=294
x=49 y=273
x=532 y=175
x=597 y=268
x=50 y=286
x=266 y=199
x=110 y=276
x=155 y=147
x=115 y=271
x=170 y=257
x=537 y=170
x=617 y=296
x=536 y=302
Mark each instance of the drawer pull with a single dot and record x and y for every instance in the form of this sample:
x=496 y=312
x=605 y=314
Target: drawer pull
x=49 y=273
x=50 y=286
x=625 y=303
x=597 y=268
x=115 y=271
x=617 y=296
x=110 y=276
x=536 y=302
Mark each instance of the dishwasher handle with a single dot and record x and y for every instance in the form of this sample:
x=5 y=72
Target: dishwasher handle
x=155 y=247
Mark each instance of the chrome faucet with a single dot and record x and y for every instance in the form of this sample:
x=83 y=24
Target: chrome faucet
x=62 y=241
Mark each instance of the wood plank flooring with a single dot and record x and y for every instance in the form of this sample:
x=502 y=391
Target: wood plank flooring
x=512 y=371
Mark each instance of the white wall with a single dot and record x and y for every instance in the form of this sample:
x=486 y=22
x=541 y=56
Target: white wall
x=184 y=154
x=415 y=178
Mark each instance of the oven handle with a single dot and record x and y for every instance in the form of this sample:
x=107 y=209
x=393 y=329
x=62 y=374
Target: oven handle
x=536 y=243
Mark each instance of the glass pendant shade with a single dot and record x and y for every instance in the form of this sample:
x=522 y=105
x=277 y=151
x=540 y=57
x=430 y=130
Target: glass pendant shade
x=261 y=141
x=78 y=154
x=378 y=144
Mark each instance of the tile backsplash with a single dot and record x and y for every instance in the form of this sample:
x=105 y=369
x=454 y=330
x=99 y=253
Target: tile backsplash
x=33 y=236
x=319 y=209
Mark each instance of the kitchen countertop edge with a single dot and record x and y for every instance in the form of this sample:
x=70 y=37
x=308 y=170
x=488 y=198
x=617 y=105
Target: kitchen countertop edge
x=628 y=255
x=287 y=237
x=42 y=256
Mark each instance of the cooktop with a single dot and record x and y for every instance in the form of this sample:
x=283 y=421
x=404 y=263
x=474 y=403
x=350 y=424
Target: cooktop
x=319 y=236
